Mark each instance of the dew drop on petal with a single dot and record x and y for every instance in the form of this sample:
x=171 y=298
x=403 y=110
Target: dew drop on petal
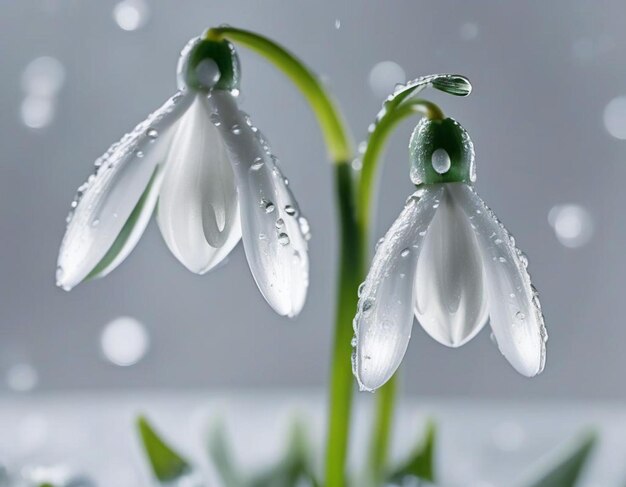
x=290 y=210
x=124 y=341
x=22 y=377
x=152 y=133
x=257 y=164
x=572 y=224
x=615 y=117
x=131 y=14
x=405 y=253
x=269 y=206
x=384 y=76
x=283 y=239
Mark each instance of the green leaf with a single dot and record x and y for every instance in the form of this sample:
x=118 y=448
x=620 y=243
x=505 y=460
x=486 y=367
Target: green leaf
x=295 y=469
x=564 y=468
x=220 y=452
x=167 y=465
x=420 y=464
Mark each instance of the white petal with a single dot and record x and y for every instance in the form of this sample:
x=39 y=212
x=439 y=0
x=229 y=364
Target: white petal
x=450 y=288
x=94 y=242
x=274 y=231
x=198 y=210
x=514 y=310
x=385 y=313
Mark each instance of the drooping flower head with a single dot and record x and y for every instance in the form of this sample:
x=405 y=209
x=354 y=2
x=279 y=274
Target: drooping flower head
x=212 y=178
x=449 y=262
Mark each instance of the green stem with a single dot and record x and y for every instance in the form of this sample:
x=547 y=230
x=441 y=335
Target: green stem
x=386 y=395
x=351 y=262
x=381 y=434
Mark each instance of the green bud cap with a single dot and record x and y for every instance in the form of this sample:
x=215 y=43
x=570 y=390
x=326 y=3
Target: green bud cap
x=209 y=64
x=441 y=151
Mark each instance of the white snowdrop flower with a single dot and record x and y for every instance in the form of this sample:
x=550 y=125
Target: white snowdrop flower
x=215 y=180
x=448 y=261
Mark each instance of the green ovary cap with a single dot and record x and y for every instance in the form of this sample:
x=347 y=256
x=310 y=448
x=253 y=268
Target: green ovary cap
x=441 y=151
x=209 y=64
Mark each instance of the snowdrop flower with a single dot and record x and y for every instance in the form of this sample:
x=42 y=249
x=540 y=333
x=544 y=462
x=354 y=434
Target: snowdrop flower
x=212 y=179
x=448 y=261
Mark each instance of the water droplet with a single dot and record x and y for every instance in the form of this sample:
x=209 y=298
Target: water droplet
x=384 y=76
x=207 y=73
x=572 y=223
x=357 y=164
x=405 y=253
x=615 y=117
x=262 y=236
x=215 y=119
x=502 y=260
x=360 y=289
x=337 y=24
x=367 y=305
x=280 y=223
x=235 y=129
x=519 y=316
x=523 y=258
x=131 y=14
x=441 y=161
x=124 y=341
x=269 y=206
x=257 y=164
x=283 y=239
x=152 y=133
x=139 y=154
x=290 y=210
x=95 y=223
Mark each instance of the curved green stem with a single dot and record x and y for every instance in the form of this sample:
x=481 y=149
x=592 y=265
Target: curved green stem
x=351 y=261
x=336 y=134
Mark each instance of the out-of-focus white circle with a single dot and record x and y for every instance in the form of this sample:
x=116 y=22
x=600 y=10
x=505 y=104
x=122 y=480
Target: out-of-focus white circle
x=508 y=436
x=124 y=341
x=468 y=31
x=615 y=117
x=22 y=377
x=384 y=77
x=37 y=111
x=572 y=223
x=43 y=76
x=131 y=14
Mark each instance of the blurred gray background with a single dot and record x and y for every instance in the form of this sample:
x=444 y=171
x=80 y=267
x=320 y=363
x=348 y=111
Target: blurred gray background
x=547 y=116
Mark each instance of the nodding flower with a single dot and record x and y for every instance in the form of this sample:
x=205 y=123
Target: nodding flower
x=449 y=262
x=209 y=173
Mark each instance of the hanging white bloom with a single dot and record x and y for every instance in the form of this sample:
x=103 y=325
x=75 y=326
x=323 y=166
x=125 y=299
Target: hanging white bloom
x=211 y=176
x=448 y=261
